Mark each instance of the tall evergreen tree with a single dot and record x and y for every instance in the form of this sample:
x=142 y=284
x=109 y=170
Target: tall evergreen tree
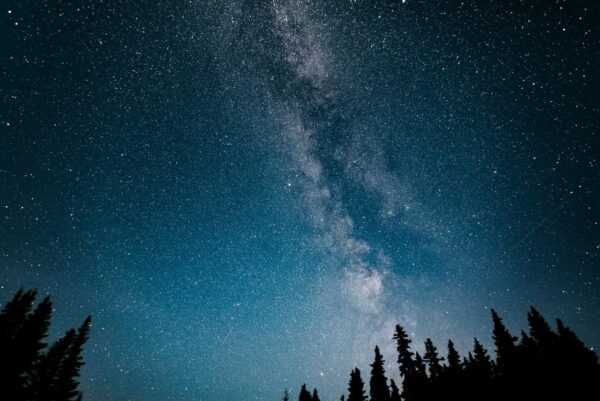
x=304 y=394
x=395 y=393
x=286 y=395
x=540 y=329
x=22 y=332
x=572 y=346
x=409 y=371
x=378 y=385
x=433 y=359
x=451 y=380
x=28 y=373
x=71 y=366
x=356 y=387
x=481 y=360
x=315 y=395
x=505 y=343
x=453 y=357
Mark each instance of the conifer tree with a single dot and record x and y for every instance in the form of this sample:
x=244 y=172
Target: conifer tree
x=505 y=343
x=45 y=376
x=433 y=359
x=540 y=329
x=572 y=346
x=378 y=385
x=315 y=395
x=356 y=387
x=481 y=360
x=21 y=340
x=453 y=357
x=286 y=395
x=304 y=394
x=71 y=365
x=451 y=381
x=395 y=393
x=26 y=372
x=406 y=364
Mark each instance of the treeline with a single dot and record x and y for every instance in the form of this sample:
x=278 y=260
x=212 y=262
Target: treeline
x=30 y=370
x=544 y=365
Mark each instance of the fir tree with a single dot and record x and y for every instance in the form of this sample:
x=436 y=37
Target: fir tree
x=71 y=365
x=481 y=360
x=28 y=373
x=395 y=393
x=451 y=380
x=540 y=329
x=378 y=384
x=286 y=395
x=315 y=395
x=405 y=362
x=356 y=387
x=304 y=394
x=453 y=357
x=505 y=343
x=433 y=359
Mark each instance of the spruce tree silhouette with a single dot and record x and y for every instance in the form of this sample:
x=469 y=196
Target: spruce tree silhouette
x=13 y=365
x=394 y=393
x=451 y=381
x=584 y=372
x=26 y=372
x=315 y=395
x=505 y=343
x=378 y=385
x=304 y=394
x=421 y=385
x=508 y=367
x=356 y=387
x=433 y=359
x=453 y=357
x=406 y=365
x=479 y=374
x=435 y=368
x=286 y=395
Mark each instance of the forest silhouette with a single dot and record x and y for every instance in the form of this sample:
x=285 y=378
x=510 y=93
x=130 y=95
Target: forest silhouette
x=544 y=364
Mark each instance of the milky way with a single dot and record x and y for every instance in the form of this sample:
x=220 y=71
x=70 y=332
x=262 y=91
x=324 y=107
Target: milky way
x=249 y=195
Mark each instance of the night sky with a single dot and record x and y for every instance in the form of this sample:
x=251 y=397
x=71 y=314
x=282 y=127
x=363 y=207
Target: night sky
x=249 y=195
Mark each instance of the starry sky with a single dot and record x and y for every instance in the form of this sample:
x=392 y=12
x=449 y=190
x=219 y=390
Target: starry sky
x=249 y=195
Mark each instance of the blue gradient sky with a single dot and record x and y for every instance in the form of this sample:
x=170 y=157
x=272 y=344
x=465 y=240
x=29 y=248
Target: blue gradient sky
x=247 y=196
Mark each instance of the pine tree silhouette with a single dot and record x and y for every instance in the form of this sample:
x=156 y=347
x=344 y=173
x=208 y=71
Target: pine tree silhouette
x=286 y=395
x=356 y=387
x=26 y=372
x=451 y=380
x=315 y=395
x=584 y=372
x=433 y=359
x=505 y=343
x=378 y=385
x=406 y=365
x=540 y=329
x=395 y=393
x=304 y=394
x=453 y=357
